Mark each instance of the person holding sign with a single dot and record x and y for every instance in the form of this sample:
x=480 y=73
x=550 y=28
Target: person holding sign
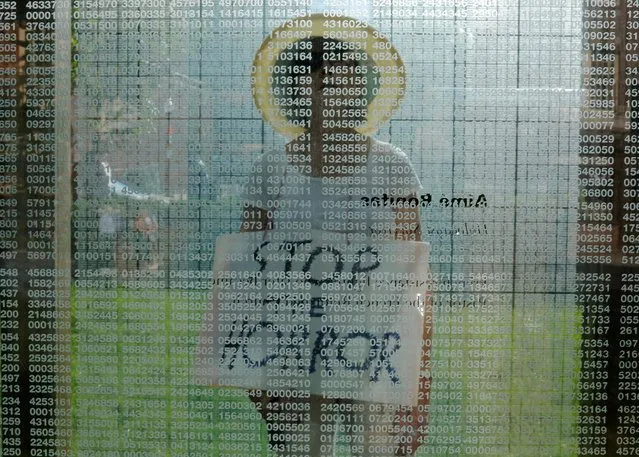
x=337 y=323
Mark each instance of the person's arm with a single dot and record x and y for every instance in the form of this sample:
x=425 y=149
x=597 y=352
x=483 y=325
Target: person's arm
x=407 y=224
x=408 y=228
x=255 y=219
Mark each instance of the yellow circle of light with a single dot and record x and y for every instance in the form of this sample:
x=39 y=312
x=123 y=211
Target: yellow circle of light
x=391 y=72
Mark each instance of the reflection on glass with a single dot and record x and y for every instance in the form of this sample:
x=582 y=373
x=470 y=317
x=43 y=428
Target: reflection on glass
x=246 y=227
x=322 y=340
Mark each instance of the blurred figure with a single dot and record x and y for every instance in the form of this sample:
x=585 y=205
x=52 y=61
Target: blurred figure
x=146 y=229
x=323 y=87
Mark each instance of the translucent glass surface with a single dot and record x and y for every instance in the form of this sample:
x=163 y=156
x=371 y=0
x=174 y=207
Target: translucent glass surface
x=315 y=228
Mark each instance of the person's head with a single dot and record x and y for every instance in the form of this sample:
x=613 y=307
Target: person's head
x=324 y=79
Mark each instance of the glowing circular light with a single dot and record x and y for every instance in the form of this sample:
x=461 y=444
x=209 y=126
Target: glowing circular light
x=390 y=67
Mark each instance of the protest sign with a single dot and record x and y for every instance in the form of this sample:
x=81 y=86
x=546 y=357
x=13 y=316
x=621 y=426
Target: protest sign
x=317 y=314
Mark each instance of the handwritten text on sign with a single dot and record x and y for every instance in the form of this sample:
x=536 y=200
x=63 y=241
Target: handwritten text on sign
x=319 y=315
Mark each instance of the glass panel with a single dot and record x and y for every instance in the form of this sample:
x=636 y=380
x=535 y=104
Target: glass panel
x=318 y=228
